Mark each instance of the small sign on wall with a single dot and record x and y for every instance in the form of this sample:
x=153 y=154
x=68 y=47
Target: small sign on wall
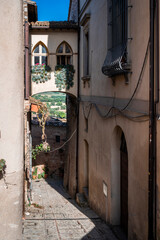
x=105 y=190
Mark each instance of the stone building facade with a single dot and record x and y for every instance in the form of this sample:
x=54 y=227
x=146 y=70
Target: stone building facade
x=114 y=126
x=52 y=36
x=73 y=11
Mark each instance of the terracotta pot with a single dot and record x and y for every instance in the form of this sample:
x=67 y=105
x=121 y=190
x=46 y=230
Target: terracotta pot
x=34 y=108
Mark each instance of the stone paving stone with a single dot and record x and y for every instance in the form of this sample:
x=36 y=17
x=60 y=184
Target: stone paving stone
x=61 y=218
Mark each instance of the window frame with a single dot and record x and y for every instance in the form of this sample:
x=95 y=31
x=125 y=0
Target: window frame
x=64 y=54
x=40 y=54
x=116 y=61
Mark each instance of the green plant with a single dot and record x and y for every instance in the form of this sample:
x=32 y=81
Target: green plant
x=64 y=75
x=40 y=73
x=35 y=172
x=39 y=176
x=2 y=164
x=42 y=174
x=46 y=170
x=43 y=147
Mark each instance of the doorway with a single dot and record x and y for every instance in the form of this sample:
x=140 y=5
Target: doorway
x=124 y=184
x=86 y=169
x=119 y=180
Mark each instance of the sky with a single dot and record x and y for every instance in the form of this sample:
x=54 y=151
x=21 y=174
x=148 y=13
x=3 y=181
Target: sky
x=52 y=10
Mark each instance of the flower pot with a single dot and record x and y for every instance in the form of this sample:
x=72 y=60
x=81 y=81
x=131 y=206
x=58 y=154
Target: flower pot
x=34 y=177
x=45 y=176
x=34 y=108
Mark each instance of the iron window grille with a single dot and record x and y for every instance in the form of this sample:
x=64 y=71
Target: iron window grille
x=116 y=59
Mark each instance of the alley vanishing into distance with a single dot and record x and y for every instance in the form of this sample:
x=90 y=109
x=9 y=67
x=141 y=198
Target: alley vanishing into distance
x=53 y=215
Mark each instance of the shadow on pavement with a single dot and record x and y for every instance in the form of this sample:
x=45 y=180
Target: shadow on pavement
x=101 y=231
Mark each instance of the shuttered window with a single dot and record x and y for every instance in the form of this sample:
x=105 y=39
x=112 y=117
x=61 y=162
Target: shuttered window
x=116 y=59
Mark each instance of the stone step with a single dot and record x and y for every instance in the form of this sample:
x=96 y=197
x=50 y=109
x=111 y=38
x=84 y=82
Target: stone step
x=81 y=200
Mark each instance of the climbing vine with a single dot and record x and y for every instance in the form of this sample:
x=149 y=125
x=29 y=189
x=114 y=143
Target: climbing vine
x=42 y=115
x=64 y=75
x=40 y=73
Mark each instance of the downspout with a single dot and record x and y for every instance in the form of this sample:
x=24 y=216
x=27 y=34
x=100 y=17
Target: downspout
x=152 y=134
x=78 y=99
x=157 y=52
x=27 y=72
x=156 y=104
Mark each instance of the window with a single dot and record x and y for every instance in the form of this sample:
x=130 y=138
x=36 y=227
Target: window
x=86 y=53
x=116 y=59
x=64 y=54
x=40 y=54
x=58 y=139
x=85 y=22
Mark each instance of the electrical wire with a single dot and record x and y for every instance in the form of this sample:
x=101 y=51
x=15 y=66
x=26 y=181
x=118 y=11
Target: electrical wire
x=90 y=106
x=140 y=76
x=64 y=143
x=106 y=115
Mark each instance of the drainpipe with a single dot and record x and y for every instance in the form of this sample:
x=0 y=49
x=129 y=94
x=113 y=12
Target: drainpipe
x=27 y=70
x=157 y=102
x=157 y=52
x=152 y=134
x=78 y=97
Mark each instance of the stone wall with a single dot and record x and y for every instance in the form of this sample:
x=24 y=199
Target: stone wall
x=70 y=168
x=54 y=160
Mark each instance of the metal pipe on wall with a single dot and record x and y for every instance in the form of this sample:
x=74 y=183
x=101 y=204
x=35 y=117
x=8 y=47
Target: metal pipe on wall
x=27 y=70
x=78 y=95
x=152 y=132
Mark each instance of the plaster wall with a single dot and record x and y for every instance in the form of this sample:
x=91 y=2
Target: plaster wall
x=82 y=2
x=138 y=28
x=103 y=158
x=11 y=120
x=101 y=135
x=52 y=39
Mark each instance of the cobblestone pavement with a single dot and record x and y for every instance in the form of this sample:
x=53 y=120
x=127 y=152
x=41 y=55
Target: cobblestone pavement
x=53 y=215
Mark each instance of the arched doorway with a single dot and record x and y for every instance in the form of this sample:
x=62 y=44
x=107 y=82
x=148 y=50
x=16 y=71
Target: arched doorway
x=119 y=180
x=86 y=166
x=124 y=183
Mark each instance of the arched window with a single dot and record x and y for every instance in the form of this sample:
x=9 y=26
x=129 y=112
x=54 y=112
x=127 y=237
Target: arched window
x=64 y=54
x=40 y=54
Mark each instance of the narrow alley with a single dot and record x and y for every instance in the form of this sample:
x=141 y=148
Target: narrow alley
x=53 y=215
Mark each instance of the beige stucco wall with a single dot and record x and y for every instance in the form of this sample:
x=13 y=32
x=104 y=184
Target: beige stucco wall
x=11 y=119
x=101 y=136
x=52 y=39
x=100 y=85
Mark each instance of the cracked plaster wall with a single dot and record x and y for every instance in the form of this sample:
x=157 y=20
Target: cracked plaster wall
x=11 y=117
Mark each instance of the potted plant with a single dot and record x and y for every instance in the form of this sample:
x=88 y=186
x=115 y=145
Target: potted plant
x=64 y=75
x=2 y=165
x=34 y=174
x=40 y=73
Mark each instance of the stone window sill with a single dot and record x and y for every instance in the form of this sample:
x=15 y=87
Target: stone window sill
x=86 y=79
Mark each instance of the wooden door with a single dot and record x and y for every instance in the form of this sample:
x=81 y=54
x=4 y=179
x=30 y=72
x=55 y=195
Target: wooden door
x=124 y=185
